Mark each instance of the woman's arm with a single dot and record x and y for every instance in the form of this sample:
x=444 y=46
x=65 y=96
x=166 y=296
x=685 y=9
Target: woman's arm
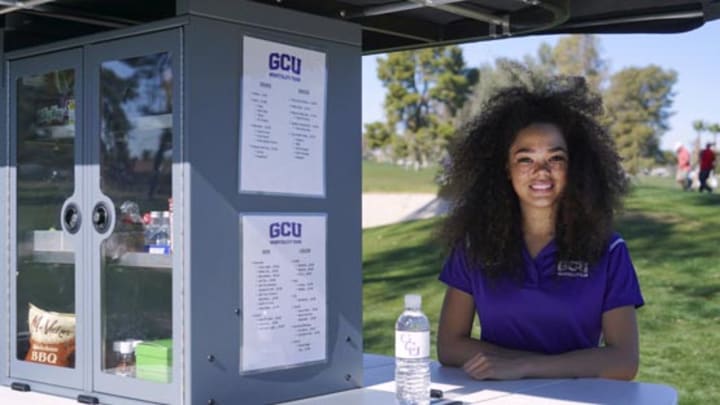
x=618 y=359
x=454 y=344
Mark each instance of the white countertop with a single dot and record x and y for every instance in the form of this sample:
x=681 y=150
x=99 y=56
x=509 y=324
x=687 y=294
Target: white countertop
x=456 y=386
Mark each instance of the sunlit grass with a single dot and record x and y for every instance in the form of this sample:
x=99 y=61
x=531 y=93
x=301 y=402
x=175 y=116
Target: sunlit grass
x=387 y=178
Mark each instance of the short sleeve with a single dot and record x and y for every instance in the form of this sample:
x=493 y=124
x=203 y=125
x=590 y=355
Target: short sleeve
x=623 y=287
x=455 y=272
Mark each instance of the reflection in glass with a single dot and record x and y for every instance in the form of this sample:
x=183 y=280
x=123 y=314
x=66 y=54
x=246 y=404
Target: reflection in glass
x=136 y=173
x=45 y=254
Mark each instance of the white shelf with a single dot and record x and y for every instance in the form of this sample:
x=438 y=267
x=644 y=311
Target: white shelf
x=129 y=259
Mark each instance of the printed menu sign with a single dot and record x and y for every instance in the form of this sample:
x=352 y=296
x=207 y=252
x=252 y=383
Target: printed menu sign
x=283 y=291
x=282 y=136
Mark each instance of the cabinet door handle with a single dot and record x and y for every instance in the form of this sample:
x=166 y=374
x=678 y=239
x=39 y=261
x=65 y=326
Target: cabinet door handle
x=101 y=217
x=71 y=218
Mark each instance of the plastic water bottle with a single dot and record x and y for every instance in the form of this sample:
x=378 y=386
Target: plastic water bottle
x=157 y=233
x=412 y=354
x=162 y=231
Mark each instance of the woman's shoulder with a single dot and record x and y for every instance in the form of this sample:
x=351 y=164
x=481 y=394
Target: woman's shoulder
x=458 y=254
x=617 y=251
x=616 y=240
x=460 y=257
x=456 y=272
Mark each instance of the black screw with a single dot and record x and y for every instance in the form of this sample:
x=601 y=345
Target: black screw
x=211 y=358
x=237 y=311
x=211 y=401
x=348 y=377
x=348 y=339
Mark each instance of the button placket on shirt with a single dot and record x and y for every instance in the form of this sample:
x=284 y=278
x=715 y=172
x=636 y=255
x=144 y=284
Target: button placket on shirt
x=541 y=267
x=532 y=275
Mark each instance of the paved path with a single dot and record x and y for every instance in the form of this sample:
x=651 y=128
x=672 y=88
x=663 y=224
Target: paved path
x=387 y=208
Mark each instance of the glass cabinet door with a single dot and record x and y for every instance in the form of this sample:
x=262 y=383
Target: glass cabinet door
x=136 y=175
x=92 y=150
x=133 y=143
x=46 y=219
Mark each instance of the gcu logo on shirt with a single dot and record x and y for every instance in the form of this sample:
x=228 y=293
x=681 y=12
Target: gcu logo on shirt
x=572 y=268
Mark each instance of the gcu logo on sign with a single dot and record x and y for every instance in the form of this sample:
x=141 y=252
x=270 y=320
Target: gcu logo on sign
x=283 y=61
x=278 y=229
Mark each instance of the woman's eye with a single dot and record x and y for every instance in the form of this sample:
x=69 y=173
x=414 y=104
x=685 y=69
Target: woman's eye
x=558 y=158
x=524 y=160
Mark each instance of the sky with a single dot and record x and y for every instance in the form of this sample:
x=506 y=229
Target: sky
x=694 y=55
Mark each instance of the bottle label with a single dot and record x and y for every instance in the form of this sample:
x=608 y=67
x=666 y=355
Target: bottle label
x=412 y=345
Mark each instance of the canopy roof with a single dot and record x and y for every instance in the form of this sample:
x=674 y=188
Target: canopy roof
x=387 y=24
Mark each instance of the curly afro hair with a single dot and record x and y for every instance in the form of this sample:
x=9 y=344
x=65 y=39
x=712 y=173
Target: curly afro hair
x=485 y=215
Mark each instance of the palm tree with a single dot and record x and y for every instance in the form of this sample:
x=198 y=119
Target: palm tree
x=714 y=129
x=699 y=127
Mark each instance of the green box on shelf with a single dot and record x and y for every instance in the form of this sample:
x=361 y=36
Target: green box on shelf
x=153 y=360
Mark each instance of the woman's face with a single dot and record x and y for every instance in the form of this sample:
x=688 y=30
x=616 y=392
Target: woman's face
x=537 y=163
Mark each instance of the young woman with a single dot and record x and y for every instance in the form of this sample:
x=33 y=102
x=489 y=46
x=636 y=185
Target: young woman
x=534 y=185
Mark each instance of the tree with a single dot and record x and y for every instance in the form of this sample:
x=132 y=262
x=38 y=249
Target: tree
x=579 y=55
x=378 y=140
x=505 y=72
x=638 y=104
x=699 y=127
x=575 y=55
x=714 y=129
x=425 y=90
x=543 y=64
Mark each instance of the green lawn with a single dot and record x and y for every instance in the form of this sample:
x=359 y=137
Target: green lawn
x=674 y=240
x=389 y=178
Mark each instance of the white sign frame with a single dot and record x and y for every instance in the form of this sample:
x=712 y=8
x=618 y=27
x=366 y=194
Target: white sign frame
x=283 y=120
x=262 y=350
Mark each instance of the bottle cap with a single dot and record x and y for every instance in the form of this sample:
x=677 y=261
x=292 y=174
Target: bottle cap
x=413 y=301
x=123 y=346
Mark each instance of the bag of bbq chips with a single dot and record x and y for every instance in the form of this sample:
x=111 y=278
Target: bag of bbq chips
x=52 y=337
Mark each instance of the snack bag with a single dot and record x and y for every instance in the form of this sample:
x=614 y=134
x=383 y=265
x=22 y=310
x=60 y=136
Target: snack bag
x=52 y=337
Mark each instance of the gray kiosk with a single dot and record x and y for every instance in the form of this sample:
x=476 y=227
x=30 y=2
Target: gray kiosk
x=181 y=183
x=184 y=210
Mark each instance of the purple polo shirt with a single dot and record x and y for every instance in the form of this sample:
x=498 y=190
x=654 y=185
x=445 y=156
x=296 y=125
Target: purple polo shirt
x=557 y=308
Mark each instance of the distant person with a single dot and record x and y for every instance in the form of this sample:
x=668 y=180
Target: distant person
x=707 y=164
x=533 y=188
x=682 y=173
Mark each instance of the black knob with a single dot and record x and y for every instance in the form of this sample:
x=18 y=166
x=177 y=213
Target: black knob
x=71 y=218
x=101 y=217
